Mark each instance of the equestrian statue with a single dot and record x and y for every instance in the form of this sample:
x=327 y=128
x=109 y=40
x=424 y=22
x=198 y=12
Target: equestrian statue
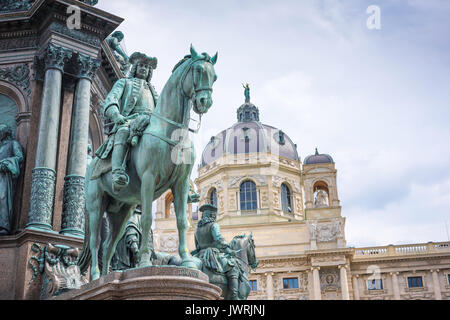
x=151 y=153
x=227 y=265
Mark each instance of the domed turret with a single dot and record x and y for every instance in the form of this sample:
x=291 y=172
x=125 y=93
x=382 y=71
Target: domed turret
x=318 y=158
x=249 y=135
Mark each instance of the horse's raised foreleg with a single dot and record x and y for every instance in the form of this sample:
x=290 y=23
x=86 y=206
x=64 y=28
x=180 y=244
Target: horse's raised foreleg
x=147 y=194
x=180 y=194
x=118 y=222
x=94 y=208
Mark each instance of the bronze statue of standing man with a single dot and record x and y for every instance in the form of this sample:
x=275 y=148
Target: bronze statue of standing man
x=10 y=159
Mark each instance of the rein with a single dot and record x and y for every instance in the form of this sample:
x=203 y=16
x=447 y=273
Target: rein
x=185 y=102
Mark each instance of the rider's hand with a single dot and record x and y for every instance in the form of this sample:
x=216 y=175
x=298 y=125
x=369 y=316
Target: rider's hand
x=119 y=119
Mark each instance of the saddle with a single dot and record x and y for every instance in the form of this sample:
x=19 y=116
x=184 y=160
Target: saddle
x=102 y=162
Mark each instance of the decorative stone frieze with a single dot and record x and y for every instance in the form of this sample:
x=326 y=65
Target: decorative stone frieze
x=15 y=5
x=18 y=75
x=42 y=196
x=73 y=206
x=58 y=266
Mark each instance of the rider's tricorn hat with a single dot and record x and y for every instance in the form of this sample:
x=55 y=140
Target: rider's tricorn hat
x=141 y=57
x=208 y=208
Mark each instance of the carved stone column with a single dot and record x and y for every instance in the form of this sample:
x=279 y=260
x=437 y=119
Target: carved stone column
x=269 y=285
x=73 y=202
x=436 y=286
x=344 y=282
x=317 y=294
x=395 y=287
x=356 y=287
x=44 y=174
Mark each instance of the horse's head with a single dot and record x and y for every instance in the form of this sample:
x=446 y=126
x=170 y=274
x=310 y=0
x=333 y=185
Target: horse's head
x=251 y=254
x=199 y=80
x=245 y=247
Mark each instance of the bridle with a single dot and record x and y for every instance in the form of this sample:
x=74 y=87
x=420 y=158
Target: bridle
x=186 y=98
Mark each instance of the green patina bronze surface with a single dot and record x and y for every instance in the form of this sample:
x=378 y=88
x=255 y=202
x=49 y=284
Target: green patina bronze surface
x=227 y=265
x=119 y=54
x=11 y=158
x=159 y=160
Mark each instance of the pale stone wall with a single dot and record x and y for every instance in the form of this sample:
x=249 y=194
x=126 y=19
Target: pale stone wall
x=308 y=244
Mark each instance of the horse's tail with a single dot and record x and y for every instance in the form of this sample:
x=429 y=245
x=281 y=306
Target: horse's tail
x=84 y=259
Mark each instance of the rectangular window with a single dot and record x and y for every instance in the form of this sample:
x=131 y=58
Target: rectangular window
x=254 y=285
x=375 y=284
x=448 y=278
x=415 y=282
x=290 y=283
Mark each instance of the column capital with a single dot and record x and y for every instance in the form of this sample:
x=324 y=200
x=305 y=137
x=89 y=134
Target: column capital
x=86 y=66
x=315 y=268
x=345 y=266
x=396 y=273
x=55 y=57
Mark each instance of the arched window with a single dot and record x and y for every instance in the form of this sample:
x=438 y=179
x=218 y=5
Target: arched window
x=213 y=197
x=286 y=202
x=248 y=196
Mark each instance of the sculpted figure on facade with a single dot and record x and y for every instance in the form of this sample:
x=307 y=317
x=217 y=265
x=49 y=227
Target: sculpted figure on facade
x=11 y=158
x=128 y=99
x=120 y=56
x=126 y=254
x=321 y=199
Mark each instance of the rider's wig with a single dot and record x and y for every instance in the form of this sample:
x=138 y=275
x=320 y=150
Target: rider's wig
x=140 y=57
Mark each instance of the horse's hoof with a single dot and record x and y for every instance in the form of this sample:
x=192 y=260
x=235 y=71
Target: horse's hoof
x=189 y=263
x=95 y=276
x=144 y=264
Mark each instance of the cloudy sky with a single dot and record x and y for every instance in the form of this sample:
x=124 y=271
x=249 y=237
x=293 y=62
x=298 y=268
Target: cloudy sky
x=376 y=100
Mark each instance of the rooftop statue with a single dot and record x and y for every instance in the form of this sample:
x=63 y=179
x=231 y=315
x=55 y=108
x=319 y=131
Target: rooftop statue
x=227 y=265
x=156 y=162
x=246 y=92
x=11 y=158
x=114 y=43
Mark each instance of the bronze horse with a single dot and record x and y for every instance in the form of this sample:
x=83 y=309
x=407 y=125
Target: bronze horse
x=157 y=163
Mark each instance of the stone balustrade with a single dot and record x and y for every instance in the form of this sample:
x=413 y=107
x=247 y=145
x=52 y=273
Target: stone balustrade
x=398 y=250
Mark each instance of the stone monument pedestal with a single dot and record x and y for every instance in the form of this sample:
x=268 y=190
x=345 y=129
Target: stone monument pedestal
x=151 y=283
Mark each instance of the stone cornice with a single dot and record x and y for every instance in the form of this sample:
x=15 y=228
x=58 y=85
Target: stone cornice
x=30 y=235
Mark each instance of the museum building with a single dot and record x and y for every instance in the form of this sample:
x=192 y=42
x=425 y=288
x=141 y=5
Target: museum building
x=253 y=174
x=52 y=81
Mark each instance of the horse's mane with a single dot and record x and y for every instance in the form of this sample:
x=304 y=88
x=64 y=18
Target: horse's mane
x=204 y=55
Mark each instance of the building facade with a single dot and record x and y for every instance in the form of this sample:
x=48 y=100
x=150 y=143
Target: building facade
x=253 y=174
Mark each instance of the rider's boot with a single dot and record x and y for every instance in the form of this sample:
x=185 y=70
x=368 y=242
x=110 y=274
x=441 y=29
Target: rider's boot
x=233 y=287
x=120 y=178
